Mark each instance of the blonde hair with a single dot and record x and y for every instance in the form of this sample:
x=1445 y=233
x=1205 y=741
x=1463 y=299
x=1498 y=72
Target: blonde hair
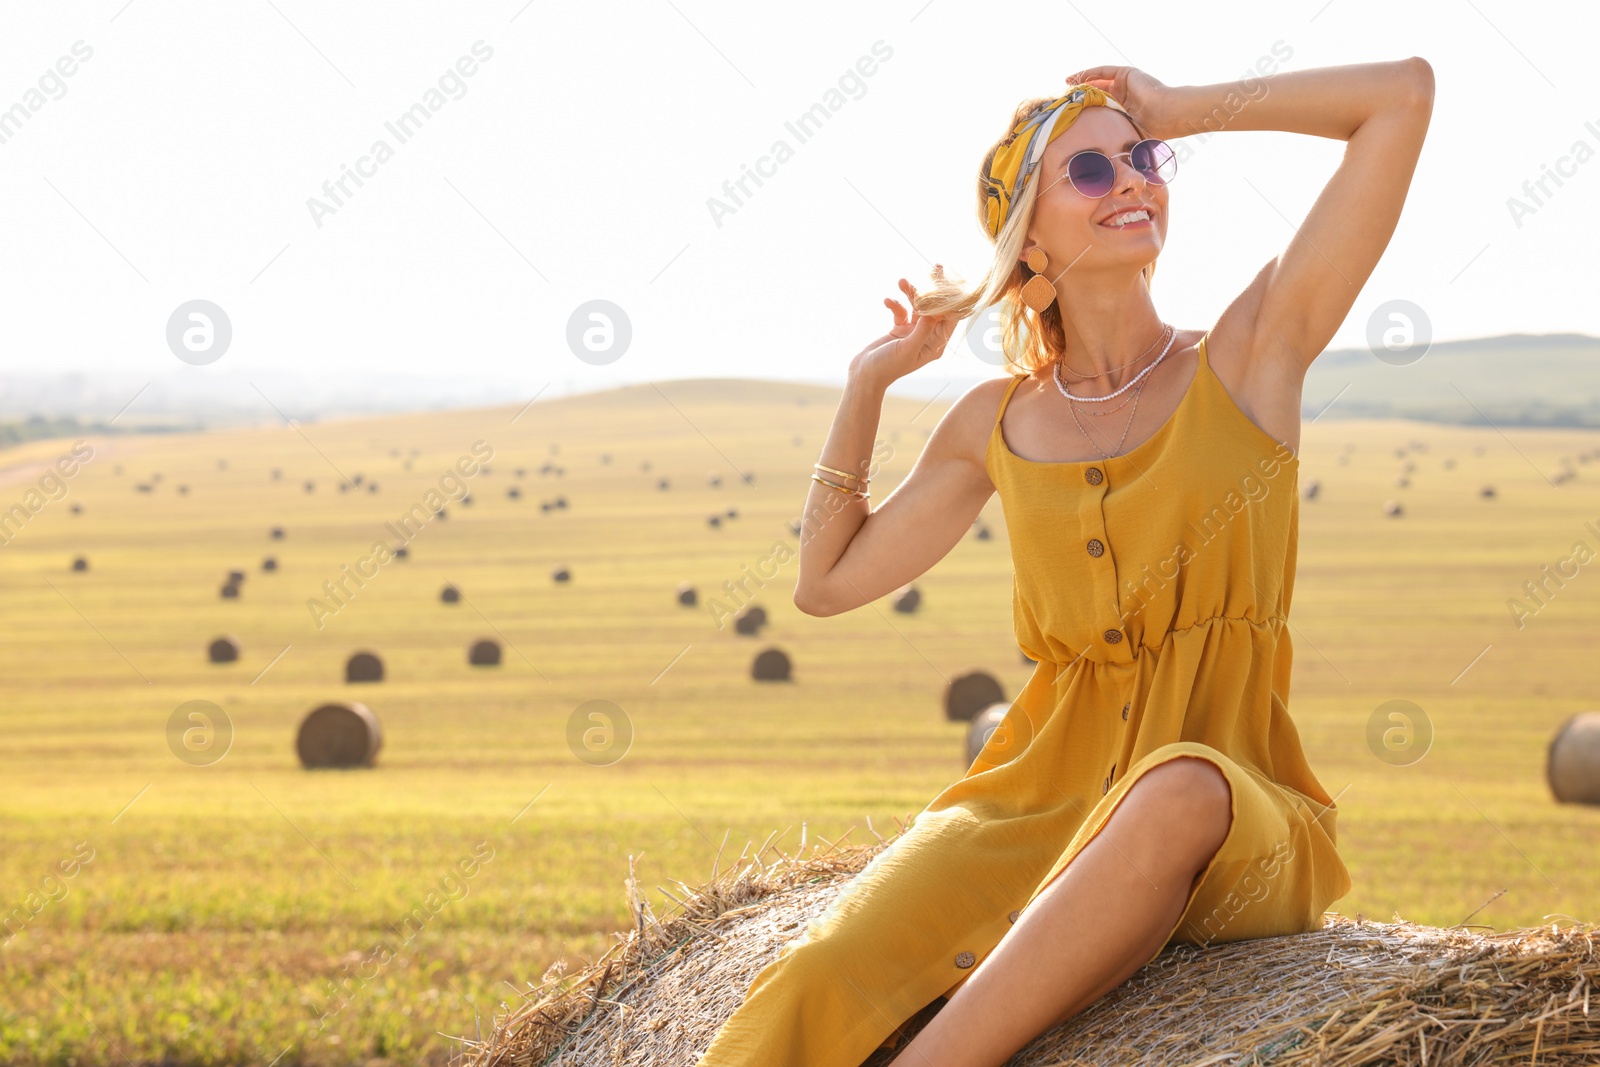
x=1028 y=340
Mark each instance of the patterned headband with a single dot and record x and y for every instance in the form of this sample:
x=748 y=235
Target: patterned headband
x=1014 y=161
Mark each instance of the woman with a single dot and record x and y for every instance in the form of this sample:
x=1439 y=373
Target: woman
x=1148 y=785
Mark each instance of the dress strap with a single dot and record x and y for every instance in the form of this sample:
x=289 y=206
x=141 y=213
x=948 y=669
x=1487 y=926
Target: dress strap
x=1016 y=380
x=1203 y=360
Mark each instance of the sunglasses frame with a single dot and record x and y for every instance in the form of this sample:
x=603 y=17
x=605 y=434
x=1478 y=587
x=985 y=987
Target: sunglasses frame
x=1066 y=172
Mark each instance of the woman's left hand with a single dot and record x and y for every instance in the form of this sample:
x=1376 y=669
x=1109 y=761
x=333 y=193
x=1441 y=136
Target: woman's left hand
x=1147 y=100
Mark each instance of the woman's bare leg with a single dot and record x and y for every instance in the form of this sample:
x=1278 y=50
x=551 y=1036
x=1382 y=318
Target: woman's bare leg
x=1100 y=920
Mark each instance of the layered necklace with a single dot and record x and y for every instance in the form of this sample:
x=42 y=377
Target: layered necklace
x=1136 y=383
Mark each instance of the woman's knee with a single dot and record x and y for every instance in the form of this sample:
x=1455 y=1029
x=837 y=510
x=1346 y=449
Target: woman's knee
x=1184 y=802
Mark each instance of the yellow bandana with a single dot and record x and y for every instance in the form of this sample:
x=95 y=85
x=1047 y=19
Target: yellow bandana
x=1017 y=157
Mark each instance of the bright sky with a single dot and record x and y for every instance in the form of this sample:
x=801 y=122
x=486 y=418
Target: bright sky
x=576 y=160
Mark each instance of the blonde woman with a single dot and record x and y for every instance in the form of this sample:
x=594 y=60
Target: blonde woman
x=1148 y=784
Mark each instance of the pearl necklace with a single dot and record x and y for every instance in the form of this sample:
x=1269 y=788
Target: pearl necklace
x=1056 y=375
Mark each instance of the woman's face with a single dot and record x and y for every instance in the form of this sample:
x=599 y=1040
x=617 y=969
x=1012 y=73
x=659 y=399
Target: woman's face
x=1075 y=229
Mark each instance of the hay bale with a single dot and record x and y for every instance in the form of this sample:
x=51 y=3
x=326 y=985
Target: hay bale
x=970 y=693
x=270 y=563
x=79 y=563
x=466 y=499
x=229 y=591
x=442 y=514
x=183 y=490
x=750 y=620
x=514 y=493
x=277 y=474
x=687 y=596
x=276 y=533
x=714 y=480
x=1313 y=487
x=561 y=574
x=981 y=727
x=983 y=533
x=1573 y=764
x=561 y=501
x=1402 y=481
x=224 y=649
x=77 y=509
x=311 y=487
x=1393 y=509
x=732 y=513
x=663 y=484
x=236 y=576
x=1487 y=492
x=449 y=595
x=485 y=652
x=771 y=665
x=907 y=600
x=714 y=521
x=402 y=552
x=363 y=667
x=339 y=735
x=1354 y=992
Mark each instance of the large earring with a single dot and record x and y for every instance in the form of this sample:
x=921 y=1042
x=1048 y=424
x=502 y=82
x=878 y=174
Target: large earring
x=1038 y=293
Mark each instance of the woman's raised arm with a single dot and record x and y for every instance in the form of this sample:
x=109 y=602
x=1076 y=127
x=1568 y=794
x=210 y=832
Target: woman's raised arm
x=851 y=554
x=1382 y=110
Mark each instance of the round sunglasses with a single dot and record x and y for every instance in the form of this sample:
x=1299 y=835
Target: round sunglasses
x=1093 y=173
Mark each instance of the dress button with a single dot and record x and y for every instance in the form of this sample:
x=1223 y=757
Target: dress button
x=965 y=960
x=1112 y=636
x=1097 y=547
x=1093 y=476
x=1013 y=916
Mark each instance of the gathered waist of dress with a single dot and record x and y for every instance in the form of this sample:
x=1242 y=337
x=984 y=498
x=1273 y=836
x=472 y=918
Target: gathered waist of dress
x=1071 y=656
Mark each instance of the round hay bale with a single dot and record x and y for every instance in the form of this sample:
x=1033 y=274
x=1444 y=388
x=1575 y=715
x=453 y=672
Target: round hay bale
x=183 y=490
x=1572 y=767
x=970 y=693
x=77 y=509
x=339 y=735
x=311 y=487
x=229 y=591
x=1487 y=492
x=485 y=652
x=1393 y=509
x=357 y=479
x=277 y=475
x=1379 y=990
x=1313 y=487
x=771 y=665
x=1402 y=481
x=236 y=577
x=1449 y=463
x=276 y=533
x=402 y=552
x=561 y=574
x=363 y=667
x=714 y=521
x=732 y=513
x=981 y=727
x=79 y=563
x=663 y=484
x=466 y=500
x=795 y=527
x=908 y=600
x=442 y=514
x=224 y=649
x=750 y=620
x=544 y=505
x=514 y=493
x=983 y=533
x=687 y=596
x=270 y=563
x=449 y=595
x=561 y=501
x=714 y=480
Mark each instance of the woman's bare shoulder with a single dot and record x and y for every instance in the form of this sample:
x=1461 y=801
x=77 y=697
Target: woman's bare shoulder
x=965 y=428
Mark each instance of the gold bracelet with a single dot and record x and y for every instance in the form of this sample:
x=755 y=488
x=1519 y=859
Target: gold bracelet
x=840 y=473
x=834 y=485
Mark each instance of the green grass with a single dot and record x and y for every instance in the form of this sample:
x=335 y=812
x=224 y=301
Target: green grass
x=248 y=911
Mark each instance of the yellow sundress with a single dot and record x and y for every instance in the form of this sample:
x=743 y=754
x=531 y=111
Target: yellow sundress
x=1153 y=589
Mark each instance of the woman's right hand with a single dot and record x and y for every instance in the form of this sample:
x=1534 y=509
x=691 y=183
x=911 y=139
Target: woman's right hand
x=914 y=341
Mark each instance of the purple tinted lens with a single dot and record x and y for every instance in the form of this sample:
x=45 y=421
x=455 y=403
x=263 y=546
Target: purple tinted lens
x=1091 y=172
x=1154 y=159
